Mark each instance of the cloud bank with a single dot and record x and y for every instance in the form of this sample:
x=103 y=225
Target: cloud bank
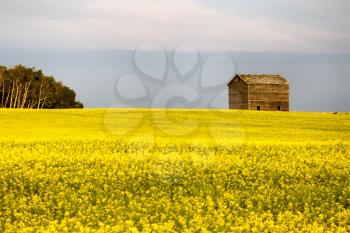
x=291 y=26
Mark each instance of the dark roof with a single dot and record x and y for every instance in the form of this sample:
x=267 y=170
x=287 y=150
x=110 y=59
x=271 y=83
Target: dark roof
x=261 y=79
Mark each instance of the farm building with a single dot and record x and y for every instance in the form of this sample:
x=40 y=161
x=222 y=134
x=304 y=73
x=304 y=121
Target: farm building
x=259 y=92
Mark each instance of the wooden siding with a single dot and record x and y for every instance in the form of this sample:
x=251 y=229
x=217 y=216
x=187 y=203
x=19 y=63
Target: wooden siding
x=254 y=96
x=238 y=95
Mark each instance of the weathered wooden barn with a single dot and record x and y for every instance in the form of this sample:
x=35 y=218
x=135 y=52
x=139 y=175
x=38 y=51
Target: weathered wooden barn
x=259 y=92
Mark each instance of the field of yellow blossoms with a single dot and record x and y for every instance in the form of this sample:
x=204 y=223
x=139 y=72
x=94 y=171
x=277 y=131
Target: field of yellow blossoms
x=108 y=170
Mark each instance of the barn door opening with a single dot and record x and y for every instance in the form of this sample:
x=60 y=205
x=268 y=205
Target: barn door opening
x=258 y=108
x=279 y=108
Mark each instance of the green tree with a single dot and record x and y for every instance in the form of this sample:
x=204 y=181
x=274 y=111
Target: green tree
x=22 y=87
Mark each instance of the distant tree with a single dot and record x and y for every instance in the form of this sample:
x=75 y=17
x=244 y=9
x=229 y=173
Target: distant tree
x=22 y=87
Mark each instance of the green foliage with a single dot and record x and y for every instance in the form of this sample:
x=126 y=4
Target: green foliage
x=22 y=87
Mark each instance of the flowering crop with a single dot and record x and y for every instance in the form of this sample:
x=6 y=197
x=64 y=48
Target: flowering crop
x=236 y=171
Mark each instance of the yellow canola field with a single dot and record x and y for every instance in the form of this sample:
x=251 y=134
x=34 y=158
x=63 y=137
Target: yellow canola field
x=139 y=170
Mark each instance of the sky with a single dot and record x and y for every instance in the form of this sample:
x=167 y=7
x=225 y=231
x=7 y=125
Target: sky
x=91 y=44
x=315 y=26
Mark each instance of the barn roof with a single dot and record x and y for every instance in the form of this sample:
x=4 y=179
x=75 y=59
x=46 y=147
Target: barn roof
x=261 y=79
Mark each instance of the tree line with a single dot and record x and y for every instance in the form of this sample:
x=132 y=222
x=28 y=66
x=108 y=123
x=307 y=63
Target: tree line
x=22 y=87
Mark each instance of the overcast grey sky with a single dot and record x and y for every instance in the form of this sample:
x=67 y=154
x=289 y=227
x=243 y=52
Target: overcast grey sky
x=317 y=26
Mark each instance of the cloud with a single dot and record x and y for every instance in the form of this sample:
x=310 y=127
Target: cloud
x=208 y=25
x=329 y=14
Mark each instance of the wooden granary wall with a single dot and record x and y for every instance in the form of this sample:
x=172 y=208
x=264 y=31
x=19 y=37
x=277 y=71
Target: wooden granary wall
x=259 y=92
